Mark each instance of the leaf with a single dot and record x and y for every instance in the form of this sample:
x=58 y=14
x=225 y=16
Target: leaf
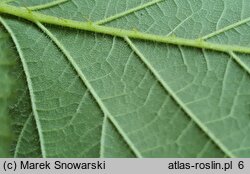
x=143 y=79
x=12 y=87
x=5 y=83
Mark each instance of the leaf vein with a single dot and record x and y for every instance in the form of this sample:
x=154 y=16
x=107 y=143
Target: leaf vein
x=198 y=43
x=21 y=135
x=125 y=13
x=238 y=61
x=229 y=27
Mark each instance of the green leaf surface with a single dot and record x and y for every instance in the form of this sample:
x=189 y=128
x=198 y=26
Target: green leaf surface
x=5 y=84
x=131 y=78
x=15 y=105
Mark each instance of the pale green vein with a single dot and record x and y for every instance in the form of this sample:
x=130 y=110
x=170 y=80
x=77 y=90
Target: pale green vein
x=102 y=148
x=29 y=82
x=178 y=100
x=47 y=5
x=91 y=89
x=229 y=27
x=125 y=13
x=21 y=135
x=181 y=23
x=77 y=110
x=88 y=26
x=199 y=155
x=238 y=60
x=242 y=149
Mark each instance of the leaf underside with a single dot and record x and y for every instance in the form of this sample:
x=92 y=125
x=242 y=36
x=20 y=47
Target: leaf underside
x=5 y=83
x=88 y=94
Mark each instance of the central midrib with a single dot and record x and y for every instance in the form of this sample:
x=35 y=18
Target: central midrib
x=89 y=26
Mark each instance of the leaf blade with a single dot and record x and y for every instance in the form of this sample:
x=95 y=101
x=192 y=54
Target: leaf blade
x=139 y=105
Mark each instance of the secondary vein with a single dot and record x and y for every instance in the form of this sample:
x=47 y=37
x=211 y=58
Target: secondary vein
x=125 y=13
x=21 y=136
x=240 y=62
x=47 y=5
x=229 y=27
x=88 y=26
